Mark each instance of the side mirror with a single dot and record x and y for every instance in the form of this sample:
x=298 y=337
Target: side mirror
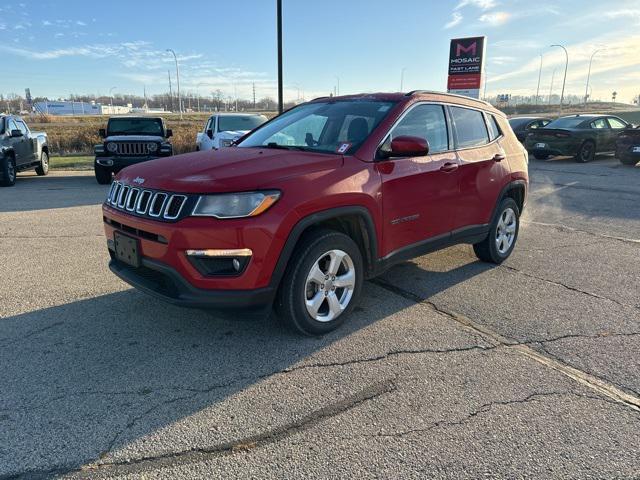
x=408 y=146
x=210 y=133
x=102 y=132
x=16 y=133
x=169 y=133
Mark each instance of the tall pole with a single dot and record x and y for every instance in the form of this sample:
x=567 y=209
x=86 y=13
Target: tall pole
x=280 y=87
x=170 y=91
x=338 y=86
x=586 y=90
x=553 y=76
x=111 y=97
x=402 y=78
x=539 y=76
x=566 y=67
x=175 y=57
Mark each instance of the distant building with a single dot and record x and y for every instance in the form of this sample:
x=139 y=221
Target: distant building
x=83 y=108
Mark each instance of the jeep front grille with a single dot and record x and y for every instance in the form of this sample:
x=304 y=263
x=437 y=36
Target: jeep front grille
x=132 y=148
x=153 y=204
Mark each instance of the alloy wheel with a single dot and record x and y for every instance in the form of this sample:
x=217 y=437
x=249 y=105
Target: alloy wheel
x=329 y=286
x=506 y=231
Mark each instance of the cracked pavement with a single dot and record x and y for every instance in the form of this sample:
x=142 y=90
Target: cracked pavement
x=449 y=368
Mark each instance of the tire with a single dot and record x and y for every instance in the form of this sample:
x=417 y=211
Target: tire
x=586 y=152
x=628 y=160
x=319 y=251
x=541 y=157
x=43 y=169
x=103 y=175
x=504 y=228
x=8 y=170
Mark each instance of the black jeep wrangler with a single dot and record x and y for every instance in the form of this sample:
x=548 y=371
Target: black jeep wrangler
x=130 y=140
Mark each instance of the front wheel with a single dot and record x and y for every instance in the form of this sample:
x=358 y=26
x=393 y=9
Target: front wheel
x=103 y=175
x=8 y=170
x=43 y=168
x=322 y=283
x=503 y=234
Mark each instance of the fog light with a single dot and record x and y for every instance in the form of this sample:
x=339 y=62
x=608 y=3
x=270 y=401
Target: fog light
x=211 y=263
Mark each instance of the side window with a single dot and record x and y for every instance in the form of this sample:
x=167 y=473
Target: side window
x=599 y=123
x=470 y=129
x=209 y=125
x=615 y=123
x=424 y=121
x=11 y=126
x=494 y=129
x=543 y=123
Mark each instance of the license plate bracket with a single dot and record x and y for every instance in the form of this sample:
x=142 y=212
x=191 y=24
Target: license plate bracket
x=541 y=145
x=636 y=149
x=127 y=249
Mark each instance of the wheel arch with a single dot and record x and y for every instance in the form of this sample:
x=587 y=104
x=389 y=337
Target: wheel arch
x=517 y=190
x=355 y=221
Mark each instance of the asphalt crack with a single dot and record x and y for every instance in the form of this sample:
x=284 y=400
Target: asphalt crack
x=561 y=227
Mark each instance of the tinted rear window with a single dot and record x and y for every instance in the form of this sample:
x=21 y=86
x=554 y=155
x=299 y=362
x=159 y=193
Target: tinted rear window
x=471 y=131
x=237 y=122
x=135 y=126
x=566 y=122
x=518 y=122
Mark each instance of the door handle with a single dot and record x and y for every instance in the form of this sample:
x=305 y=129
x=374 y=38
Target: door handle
x=498 y=157
x=449 y=167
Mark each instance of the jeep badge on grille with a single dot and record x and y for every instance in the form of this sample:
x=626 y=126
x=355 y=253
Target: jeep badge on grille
x=138 y=180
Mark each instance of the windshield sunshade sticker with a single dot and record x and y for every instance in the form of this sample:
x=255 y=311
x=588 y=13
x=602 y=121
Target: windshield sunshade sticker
x=343 y=148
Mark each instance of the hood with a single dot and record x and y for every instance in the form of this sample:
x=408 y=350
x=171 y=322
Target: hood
x=232 y=134
x=228 y=169
x=134 y=138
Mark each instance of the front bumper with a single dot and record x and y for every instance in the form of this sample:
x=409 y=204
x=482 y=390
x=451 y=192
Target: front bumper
x=117 y=163
x=161 y=281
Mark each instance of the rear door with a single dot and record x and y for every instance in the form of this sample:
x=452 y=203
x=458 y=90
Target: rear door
x=419 y=194
x=602 y=133
x=483 y=167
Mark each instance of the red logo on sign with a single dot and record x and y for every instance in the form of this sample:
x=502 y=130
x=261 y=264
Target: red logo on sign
x=471 y=49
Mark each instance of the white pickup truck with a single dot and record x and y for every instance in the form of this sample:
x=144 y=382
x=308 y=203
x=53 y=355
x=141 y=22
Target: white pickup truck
x=222 y=129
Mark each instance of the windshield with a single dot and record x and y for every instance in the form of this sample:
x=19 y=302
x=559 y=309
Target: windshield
x=238 y=122
x=565 y=122
x=326 y=127
x=135 y=126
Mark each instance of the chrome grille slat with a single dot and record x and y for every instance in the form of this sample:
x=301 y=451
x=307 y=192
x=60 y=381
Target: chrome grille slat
x=132 y=148
x=149 y=203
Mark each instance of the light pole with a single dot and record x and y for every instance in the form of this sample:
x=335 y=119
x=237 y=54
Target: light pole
x=402 y=78
x=539 y=76
x=338 y=86
x=198 y=93
x=175 y=57
x=279 y=28
x=566 y=67
x=111 y=96
x=553 y=76
x=586 y=90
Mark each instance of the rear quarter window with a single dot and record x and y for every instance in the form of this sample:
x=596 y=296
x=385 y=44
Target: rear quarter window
x=469 y=127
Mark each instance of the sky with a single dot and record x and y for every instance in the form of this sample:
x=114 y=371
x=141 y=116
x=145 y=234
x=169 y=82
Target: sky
x=58 y=47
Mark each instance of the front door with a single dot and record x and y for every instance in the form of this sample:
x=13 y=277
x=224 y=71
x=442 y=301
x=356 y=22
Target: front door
x=19 y=144
x=419 y=193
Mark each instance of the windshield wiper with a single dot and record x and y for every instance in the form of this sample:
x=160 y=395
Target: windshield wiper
x=285 y=147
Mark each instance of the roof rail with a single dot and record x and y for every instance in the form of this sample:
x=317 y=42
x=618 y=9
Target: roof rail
x=416 y=92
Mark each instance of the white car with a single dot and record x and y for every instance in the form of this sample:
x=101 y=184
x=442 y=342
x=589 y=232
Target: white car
x=222 y=129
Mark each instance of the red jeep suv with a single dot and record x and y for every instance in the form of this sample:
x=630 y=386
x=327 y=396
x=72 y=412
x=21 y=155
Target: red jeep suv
x=310 y=204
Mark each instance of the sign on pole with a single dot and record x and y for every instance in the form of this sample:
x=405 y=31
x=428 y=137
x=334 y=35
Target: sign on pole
x=466 y=66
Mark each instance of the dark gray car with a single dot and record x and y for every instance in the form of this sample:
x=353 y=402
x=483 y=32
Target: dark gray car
x=21 y=149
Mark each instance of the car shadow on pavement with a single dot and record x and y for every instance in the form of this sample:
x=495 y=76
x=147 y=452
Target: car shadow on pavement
x=53 y=191
x=83 y=380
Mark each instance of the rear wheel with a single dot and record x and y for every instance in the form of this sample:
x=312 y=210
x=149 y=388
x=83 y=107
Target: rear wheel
x=503 y=234
x=587 y=152
x=43 y=168
x=8 y=169
x=322 y=283
x=103 y=175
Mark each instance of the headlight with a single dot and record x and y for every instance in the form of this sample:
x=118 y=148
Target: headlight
x=112 y=147
x=152 y=147
x=226 y=142
x=235 y=205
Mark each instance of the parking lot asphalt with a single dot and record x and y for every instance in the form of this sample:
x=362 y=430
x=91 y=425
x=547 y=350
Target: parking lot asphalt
x=449 y=368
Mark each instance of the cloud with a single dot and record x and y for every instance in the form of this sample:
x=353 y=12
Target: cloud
x=495 y=18
x=625 y=13
x=46 y=23
x=81 y=23
x=456 y=18
x=482 y=4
